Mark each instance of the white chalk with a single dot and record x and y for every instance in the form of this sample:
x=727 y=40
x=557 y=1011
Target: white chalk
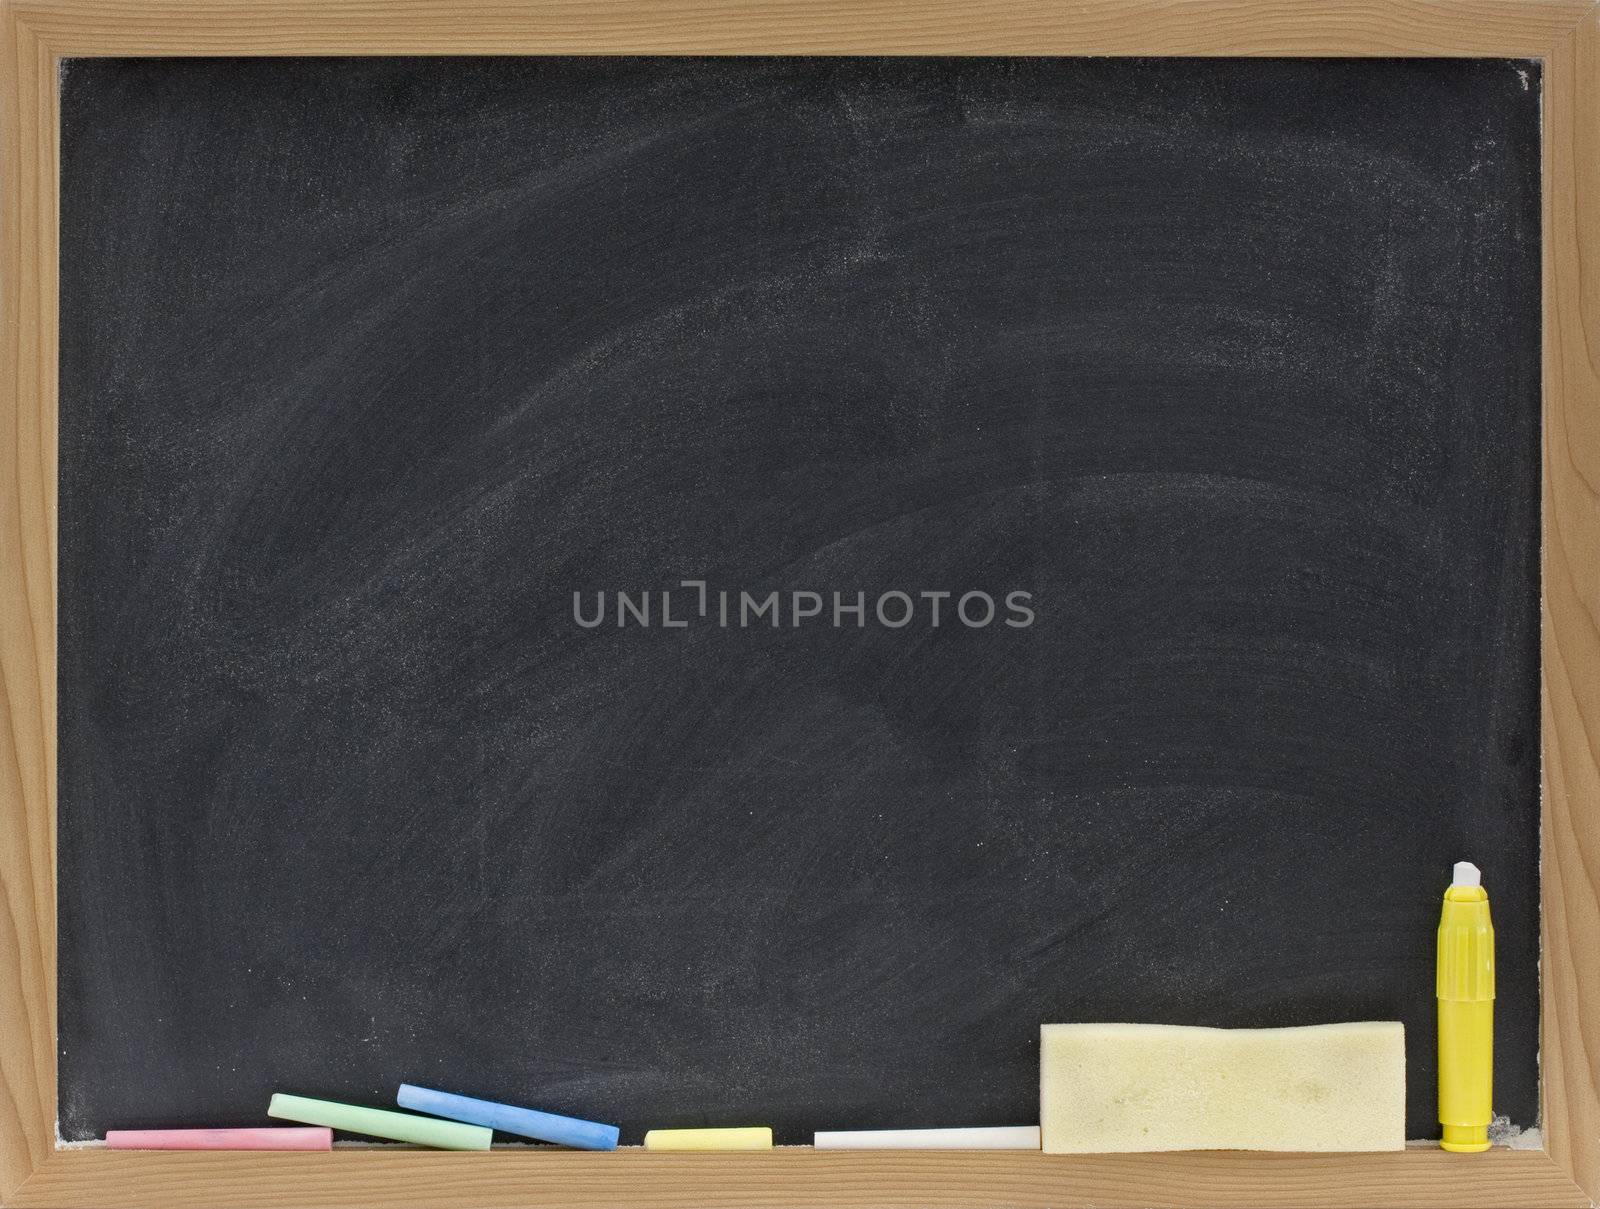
x=983 y=1137
x=1466 y=874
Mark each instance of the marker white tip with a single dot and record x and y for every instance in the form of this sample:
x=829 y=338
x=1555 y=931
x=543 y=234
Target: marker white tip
x=1466 y=874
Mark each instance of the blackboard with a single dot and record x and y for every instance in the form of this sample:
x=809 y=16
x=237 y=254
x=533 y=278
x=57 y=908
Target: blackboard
x=1218 y=379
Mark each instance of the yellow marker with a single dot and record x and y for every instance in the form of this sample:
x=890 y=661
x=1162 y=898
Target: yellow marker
x=753 y=1138
x=1465 y=987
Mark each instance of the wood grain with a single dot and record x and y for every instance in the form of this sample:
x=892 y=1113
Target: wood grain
x=32 y=38
x=27 y=603
x=1040 y=27
x=1570 y=1042
x=801 y=1176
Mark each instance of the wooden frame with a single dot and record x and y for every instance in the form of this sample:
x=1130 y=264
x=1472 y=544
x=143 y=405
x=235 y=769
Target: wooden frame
x=36 y=34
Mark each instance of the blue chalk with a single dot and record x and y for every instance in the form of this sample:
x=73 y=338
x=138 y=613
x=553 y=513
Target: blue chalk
x=525 y=1122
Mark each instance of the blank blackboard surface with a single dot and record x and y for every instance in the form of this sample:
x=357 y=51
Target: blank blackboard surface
x=379 y=377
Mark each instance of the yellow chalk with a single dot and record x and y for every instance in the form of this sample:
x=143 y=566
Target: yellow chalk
x=750 y=1138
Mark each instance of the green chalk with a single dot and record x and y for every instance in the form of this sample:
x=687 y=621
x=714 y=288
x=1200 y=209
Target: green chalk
x=380 y=1123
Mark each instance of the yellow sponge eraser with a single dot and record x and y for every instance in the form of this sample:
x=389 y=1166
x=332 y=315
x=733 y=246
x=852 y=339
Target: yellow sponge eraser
x=1106 y=1088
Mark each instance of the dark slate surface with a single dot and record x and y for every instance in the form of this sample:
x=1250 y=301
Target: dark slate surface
x=368 y=366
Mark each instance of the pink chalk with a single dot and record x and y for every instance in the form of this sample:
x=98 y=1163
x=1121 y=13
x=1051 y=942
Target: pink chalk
x=276 y=1138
